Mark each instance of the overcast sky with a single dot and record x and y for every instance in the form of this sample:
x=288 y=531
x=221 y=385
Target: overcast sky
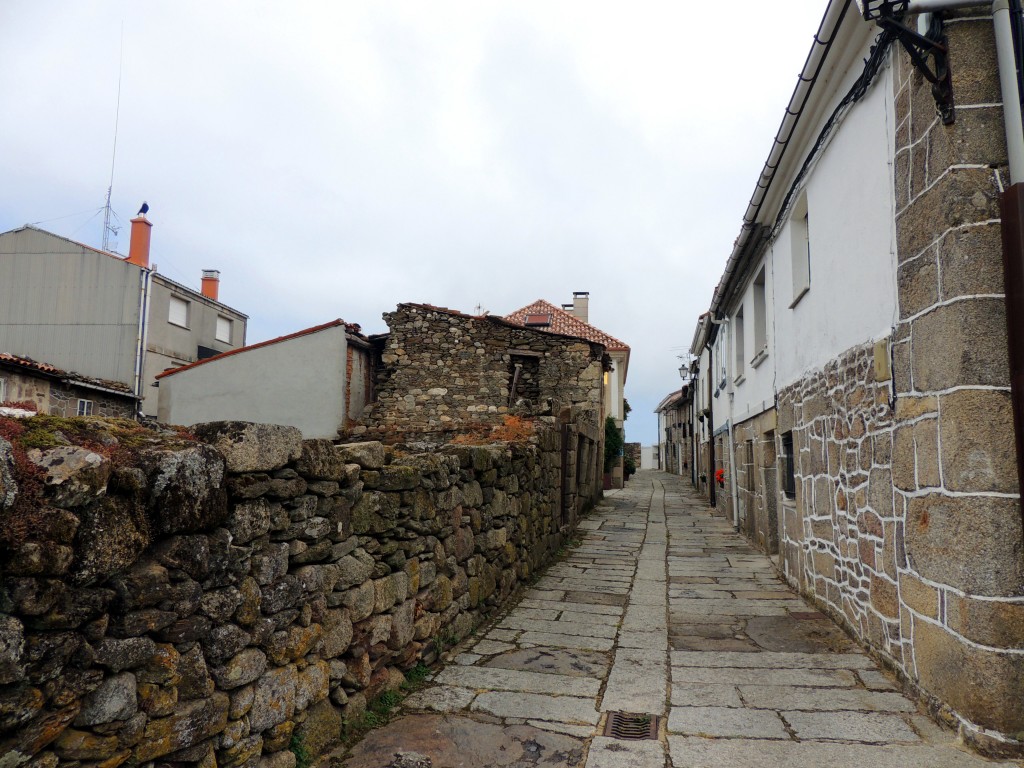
x=333 y=159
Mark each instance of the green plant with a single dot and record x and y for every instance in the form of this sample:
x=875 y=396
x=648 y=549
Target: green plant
x=383 y=704
x=629 y=466
x=614 y=442
x=416 y=677
x=297 y=746
x=445 y=639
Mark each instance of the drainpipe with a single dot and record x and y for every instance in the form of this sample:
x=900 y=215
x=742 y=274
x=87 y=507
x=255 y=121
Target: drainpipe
x=1013 y=220
x=732 y=447
x=141 y=340
x=712 y=495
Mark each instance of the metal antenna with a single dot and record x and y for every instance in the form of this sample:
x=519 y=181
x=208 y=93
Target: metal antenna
x=108 y=228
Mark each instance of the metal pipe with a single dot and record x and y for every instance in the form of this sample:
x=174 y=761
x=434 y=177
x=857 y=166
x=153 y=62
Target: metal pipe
x=927 y=6
x=1013 y=282
x=1008 y=79
x=826 y=35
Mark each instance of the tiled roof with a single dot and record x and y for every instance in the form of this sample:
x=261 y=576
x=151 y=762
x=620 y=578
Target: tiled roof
x=670 y=400
x=68 y=376
x=352 y=328
x=566 y=324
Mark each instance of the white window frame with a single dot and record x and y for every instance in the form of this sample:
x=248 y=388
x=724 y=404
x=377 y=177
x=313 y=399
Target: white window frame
x=85 y=407
x=800 y=249
x=228 y=325
x=173 y=317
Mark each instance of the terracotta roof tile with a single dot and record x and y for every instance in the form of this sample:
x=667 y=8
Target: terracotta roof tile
x=69 y=376
x=564 y=323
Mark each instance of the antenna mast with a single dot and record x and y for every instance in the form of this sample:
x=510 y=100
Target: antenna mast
x=108 y=228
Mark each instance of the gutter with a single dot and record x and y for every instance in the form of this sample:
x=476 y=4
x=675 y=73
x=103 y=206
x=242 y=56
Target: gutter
x=826 y=35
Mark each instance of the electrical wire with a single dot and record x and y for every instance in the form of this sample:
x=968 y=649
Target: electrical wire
x=93 y=211
x=872 y=65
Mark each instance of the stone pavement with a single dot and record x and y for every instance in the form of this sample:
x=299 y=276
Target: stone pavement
x=665 y=612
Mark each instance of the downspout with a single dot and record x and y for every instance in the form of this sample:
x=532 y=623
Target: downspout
x=1013 y=217
x=712 y=496
x=142 y=337
x=728 y=433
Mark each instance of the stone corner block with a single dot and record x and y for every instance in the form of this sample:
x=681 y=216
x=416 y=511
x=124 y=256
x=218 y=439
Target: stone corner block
x=251 y=447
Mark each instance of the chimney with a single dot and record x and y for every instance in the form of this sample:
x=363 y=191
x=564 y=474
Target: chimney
x=581 y=305
x=211 y=283
x=138 y=249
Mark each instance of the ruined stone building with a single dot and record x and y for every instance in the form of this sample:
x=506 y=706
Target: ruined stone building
x=854 y=390
x=444 y=375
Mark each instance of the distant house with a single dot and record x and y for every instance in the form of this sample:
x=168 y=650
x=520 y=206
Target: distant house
x=317 y=380
x=673 y=432
x=105 y=316
x=573 y=320
x=60 y=393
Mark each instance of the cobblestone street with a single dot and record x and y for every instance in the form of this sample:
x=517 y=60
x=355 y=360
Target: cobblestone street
x=665 y=612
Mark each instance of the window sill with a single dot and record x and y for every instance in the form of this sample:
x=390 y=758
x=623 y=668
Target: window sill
x=800 y=295
x=739 y=380
x=759 y=358
x=178 y=325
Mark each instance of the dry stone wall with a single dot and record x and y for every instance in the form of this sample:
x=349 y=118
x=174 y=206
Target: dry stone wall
x=209 y=603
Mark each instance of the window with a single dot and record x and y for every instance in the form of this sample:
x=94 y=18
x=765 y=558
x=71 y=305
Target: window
x=223 y=329
x=85 y=407
x=737 y=342
x=800 y=239
x=178 y=313
x=760 y=315
x=788 y=466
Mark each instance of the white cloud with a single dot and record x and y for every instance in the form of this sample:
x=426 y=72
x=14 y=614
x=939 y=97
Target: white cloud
x=334 y=159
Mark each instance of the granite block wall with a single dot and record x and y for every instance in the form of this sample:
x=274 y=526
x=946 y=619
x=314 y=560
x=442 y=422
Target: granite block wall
x=206 y=602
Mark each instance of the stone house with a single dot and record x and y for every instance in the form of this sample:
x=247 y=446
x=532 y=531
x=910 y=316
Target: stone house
x=573 y=320
x=106 y=316
x=673 y=443
x=442 y=374
x=318 y=379
x=60 y=393
x=854 y=380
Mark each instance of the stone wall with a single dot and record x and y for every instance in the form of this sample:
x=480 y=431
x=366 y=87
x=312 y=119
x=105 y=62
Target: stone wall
x=906 y=522
x=207 y=603
x=64 y=399
x=756 y=480
x=60 y=398
x=443 y=372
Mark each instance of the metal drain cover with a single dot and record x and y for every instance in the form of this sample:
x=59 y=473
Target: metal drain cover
x=634 y=727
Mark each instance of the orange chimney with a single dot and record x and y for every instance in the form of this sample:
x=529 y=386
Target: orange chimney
x=211 y=283
x=138 y=250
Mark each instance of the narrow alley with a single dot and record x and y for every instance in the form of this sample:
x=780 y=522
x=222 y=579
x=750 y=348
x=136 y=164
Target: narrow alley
x=662 y=612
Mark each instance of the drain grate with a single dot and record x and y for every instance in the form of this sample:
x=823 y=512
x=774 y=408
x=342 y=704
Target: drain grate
x=624 y=725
